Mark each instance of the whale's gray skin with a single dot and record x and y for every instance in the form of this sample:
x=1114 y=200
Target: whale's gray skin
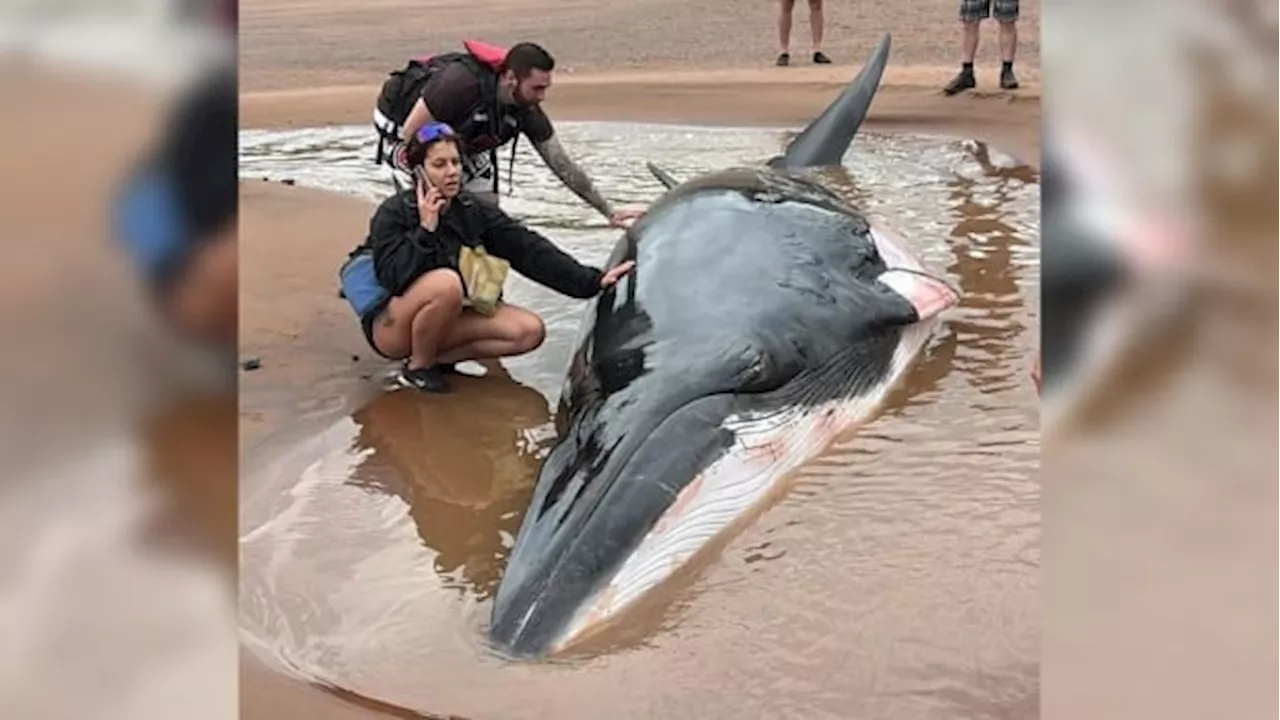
x=764 y=316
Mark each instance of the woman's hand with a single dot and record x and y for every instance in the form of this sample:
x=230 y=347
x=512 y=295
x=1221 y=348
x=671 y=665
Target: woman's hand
x=613 y=274
x=624 y=218
x=430 y=203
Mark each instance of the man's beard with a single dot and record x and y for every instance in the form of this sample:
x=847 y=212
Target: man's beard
x=518 y=99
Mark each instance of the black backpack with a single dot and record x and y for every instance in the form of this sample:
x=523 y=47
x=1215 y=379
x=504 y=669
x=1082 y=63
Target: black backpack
x=403 y=87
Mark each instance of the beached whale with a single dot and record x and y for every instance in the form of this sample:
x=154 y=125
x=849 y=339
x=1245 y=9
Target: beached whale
x=765 y=316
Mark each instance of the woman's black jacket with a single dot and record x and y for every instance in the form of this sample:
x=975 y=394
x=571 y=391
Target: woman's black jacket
x=403 y=250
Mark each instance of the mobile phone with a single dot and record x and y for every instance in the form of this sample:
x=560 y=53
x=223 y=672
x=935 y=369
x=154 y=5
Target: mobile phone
x=421 y=176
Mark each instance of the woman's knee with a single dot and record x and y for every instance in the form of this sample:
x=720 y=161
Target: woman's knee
x=530 y=332
x=438 y=287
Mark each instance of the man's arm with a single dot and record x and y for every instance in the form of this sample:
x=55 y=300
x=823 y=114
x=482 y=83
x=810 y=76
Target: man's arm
x=574 y=178
x=418 y=117
x=445 y=97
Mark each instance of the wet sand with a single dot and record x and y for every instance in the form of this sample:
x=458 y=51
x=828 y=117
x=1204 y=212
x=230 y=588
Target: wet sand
x=319 y=63
x=649 y=60
x=908 y=101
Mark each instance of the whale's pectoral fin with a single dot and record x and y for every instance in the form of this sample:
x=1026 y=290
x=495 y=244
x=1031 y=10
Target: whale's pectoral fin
x=664 y=177
x=927 y=294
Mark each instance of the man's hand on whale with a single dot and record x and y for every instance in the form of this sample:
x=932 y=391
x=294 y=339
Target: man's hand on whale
x=624 y=218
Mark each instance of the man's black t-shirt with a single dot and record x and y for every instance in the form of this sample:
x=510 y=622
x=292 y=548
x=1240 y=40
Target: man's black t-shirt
x=453 y=94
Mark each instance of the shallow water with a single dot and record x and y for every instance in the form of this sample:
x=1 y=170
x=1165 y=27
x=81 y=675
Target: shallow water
x=898 y=578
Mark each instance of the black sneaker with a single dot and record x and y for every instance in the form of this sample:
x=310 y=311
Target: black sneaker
x=784 y=59
x=961 y=82
x=1008 y=80
x=821 y=58
x=428 y=379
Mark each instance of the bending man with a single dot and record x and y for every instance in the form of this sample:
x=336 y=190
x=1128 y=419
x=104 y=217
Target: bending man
x=489 y=99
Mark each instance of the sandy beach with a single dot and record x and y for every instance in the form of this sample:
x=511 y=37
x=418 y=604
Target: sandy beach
x=320 y=63
x=653 y=60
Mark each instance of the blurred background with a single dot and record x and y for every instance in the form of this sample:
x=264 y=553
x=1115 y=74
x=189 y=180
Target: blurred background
x=117 y=396
x=1159 y=365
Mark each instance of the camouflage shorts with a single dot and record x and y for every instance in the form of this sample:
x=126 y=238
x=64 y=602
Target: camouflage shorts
x=972 y=10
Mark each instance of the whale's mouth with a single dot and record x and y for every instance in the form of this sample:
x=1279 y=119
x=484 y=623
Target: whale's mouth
x=893 y=249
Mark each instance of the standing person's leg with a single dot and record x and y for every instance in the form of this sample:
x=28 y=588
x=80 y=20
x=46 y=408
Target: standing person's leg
x=815 y=31
x=972 y=13
x=785 y=7
x=1006 y=13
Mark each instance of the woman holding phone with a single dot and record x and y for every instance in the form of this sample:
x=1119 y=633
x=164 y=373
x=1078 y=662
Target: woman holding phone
x=406 y=281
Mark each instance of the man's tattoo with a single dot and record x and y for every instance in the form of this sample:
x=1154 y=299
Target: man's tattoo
x=554 y=155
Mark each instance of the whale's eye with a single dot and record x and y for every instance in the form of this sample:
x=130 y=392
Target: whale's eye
x=761 y=374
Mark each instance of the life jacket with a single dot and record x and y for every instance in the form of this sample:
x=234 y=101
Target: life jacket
x=401 y=90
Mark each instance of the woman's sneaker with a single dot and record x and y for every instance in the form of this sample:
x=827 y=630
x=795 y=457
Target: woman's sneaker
x=428 y=379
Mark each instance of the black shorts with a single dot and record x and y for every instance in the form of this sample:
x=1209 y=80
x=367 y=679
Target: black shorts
x=366 y=324
x=1002 y=10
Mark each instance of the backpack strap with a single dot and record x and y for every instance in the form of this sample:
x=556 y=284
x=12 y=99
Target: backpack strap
x=488 y=80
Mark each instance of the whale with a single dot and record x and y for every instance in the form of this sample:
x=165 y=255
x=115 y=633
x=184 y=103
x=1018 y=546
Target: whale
x=764 y=317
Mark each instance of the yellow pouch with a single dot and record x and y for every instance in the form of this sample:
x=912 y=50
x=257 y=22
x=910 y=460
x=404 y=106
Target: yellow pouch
x=483 y=276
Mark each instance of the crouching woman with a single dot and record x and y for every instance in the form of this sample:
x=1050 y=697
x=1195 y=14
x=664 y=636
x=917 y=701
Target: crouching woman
x=406 y=281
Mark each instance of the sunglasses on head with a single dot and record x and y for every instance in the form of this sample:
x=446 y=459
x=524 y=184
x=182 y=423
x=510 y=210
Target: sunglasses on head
x=433 y=131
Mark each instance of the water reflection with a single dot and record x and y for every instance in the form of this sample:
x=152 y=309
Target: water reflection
x=464 y=464
x=984 y=238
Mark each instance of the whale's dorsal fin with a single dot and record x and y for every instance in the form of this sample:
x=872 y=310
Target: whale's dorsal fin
x=824 y=142
x=663 y=176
